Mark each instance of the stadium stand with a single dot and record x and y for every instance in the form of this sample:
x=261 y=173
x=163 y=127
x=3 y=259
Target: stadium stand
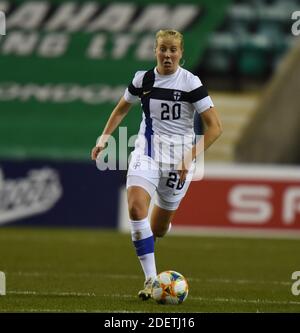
x=242 y=55
x=236 y=110
x=246 y=48
x=272 y=135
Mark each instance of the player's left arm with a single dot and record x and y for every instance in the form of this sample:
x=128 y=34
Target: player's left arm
x=212 y=130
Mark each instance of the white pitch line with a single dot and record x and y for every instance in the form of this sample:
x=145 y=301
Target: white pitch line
x=54 y=293
x=41 y=310
x=73 y=310
x=125 y=276
x=222 y=300
x=237 y=300
x=241 y=281
x=205 y=299
x=77 y=275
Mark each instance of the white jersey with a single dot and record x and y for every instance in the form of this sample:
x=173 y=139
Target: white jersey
x=168 y=103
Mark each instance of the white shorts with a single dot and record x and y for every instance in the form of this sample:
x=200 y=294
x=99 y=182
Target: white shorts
x=143 y=171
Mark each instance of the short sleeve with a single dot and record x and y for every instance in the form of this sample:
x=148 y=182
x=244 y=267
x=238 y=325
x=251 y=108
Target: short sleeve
x=198 y=95
x=133 y=91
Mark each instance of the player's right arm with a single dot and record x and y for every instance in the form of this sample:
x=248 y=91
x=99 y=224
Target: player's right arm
x=131 y=95
x=117 y=115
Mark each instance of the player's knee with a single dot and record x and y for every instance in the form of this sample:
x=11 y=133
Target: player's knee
x=137 y=210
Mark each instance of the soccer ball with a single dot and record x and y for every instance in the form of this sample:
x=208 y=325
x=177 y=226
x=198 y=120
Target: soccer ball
x=170 y=287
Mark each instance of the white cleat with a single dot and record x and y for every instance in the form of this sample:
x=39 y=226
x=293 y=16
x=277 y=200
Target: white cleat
x=146 y=293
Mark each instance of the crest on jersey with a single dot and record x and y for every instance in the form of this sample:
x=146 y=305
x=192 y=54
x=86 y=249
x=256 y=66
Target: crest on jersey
x=177 y=95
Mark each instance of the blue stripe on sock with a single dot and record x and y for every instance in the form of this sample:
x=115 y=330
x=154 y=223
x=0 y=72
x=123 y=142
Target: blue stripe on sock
x=144 y=246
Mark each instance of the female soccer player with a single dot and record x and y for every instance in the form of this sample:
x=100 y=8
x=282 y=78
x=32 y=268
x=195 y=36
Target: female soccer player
x=165 y=150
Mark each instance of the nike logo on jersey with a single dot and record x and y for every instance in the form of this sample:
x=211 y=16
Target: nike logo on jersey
x=146 y=92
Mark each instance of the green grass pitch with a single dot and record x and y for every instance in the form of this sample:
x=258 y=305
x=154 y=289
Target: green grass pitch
x=80 y=270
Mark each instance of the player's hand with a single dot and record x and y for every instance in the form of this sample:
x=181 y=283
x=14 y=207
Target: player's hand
x=96 y=151
x=183 y=169
x=182 y=175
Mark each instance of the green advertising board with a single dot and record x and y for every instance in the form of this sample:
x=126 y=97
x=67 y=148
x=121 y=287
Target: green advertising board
x=65 y=64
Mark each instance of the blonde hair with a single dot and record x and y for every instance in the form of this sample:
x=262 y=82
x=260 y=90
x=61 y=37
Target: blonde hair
x=169 y=33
